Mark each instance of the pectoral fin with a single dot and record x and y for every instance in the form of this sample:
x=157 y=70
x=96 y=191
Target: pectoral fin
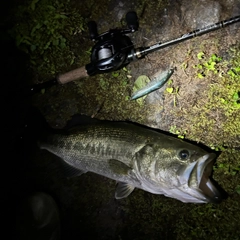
x=123 y=190
x=119 y=167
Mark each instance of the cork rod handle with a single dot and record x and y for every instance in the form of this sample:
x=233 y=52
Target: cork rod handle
x=72 y=75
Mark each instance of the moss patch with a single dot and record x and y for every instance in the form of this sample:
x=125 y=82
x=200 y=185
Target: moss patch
x=43 y=29
x=219 y=108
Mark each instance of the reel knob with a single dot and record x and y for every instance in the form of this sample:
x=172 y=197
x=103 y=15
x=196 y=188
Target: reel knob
x=93 y=32
x=132 y=21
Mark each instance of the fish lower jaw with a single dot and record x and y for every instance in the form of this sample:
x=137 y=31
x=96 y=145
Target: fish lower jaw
x=195 y=184
x=201 y=184
x=209 y=190
x=185 y=195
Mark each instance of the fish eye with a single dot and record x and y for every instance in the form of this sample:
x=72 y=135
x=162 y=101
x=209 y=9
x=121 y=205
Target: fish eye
x=184 y=154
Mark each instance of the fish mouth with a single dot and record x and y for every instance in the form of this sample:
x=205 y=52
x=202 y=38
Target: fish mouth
x=200 y=179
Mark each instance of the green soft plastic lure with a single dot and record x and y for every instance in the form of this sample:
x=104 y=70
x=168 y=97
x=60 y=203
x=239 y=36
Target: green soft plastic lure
x=157 y=82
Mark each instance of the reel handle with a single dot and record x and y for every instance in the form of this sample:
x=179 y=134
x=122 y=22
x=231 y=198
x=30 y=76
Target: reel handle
x=72 y=75
x=93 y=32
x=132 y=21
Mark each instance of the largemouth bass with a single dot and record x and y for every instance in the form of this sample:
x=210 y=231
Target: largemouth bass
x=137 y=157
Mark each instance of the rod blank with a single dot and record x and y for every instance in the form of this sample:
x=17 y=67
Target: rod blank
x=139 y=53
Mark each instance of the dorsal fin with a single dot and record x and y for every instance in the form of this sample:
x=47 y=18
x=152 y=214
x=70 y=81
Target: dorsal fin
x=79 y=119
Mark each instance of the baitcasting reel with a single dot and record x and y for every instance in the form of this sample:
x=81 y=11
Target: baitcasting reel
x=112 y=48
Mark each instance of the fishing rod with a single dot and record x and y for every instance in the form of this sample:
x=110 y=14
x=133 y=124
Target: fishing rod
x=114 y=50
